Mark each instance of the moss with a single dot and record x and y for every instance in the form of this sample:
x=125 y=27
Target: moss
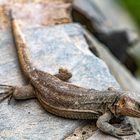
x=134 y=8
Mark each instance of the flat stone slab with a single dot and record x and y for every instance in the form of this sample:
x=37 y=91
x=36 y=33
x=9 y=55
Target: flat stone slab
x=50 y=48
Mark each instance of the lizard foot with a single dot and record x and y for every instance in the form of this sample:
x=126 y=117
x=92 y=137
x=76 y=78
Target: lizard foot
x=128 y=125
x=6 y=94
x=123 y=130
x=111 y=88
x=63 y=74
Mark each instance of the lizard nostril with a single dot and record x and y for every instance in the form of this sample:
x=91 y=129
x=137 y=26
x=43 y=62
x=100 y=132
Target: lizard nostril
x=138 y=105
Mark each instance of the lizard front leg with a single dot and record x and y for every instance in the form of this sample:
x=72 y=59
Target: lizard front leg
x=63 y=74
x=19 y=93
x=104 y=125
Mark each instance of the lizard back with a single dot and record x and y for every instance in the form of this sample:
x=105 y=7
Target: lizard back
x=68 y=100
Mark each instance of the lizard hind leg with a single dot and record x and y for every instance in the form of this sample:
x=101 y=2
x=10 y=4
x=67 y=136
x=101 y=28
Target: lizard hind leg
x=18 y=93
x=63 y=74
x=24 y=92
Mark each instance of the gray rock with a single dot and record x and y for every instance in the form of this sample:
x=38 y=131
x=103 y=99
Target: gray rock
x=49 y=48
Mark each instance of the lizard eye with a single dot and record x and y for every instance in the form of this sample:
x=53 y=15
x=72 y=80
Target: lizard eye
x=123 y=102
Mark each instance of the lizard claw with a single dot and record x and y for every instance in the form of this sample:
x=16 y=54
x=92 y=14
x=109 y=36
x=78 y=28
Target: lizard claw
x=8 y=93
x=127 y=127
x=122 y=132
x=5 y=86
x=126 y=131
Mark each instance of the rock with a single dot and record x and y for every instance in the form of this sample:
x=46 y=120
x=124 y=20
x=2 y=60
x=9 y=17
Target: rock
x=50 y=48
x=122 y=75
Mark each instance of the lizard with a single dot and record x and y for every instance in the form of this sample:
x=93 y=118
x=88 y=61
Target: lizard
x=67 y=100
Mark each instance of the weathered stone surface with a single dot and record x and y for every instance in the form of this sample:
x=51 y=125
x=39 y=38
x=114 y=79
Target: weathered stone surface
x=123 y=76
x=100 y=136
x=50 y=48
x=30 y=1
x=127 y=82
x=42 y=13
x=26 y=119
x=65 y=46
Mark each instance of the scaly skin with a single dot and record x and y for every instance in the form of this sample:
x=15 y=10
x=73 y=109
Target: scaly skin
x=70 y=101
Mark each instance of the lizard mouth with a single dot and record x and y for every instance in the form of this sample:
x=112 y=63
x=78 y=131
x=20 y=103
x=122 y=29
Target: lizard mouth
x=132 y=113
x=127 y=106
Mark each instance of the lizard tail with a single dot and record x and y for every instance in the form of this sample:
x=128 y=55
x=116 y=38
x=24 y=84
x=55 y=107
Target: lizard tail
x=21 y=46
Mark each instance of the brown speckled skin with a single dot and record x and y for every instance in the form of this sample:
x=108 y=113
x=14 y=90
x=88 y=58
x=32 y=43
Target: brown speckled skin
x=70 y=101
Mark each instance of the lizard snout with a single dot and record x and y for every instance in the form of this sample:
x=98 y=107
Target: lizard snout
x=127 y=106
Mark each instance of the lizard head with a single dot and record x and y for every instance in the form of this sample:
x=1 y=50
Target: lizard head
x=127 y=106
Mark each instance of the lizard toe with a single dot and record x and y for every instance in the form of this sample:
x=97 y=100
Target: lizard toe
x=8 y=93
x=128 y=128
x=124 y=132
